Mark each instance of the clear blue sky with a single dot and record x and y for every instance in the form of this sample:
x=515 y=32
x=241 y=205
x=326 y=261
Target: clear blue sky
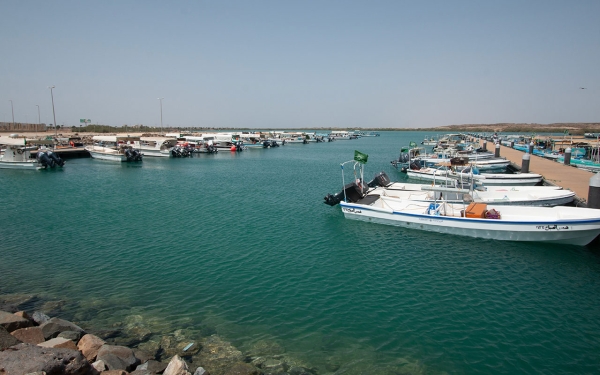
x=291 y=64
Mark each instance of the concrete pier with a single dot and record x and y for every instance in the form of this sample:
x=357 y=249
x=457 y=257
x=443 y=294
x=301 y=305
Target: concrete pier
x=566 y=176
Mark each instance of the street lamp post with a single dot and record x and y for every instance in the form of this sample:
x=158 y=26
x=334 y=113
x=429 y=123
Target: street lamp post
x=38 y=124
x=161 y=124
x=53 y=113
x=13 y=112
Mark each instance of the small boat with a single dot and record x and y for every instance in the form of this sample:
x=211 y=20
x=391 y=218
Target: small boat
x=559 y=224
x=512 y=196
x=17 y=155
x=156 y=146
x=429 y=141
x=114 y=148
x=469 y=174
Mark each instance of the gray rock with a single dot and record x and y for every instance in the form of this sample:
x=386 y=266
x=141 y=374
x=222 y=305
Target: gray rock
x=71 y=335
x=201 y=371
x=6 y=339
x=55 y=326
x=26 y=358
x=150 y=367
x=39 y=317
x=117 y=357
x=12 y=322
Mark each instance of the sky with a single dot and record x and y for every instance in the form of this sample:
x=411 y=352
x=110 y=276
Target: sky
x=300 y=64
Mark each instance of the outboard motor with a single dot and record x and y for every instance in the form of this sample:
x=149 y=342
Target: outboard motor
x=274 y=143
x=44 y=159
x=128 y=154
x=266 y=144
x=354 y=192
x=380 y=179
x=137 y=156
x=56 y=158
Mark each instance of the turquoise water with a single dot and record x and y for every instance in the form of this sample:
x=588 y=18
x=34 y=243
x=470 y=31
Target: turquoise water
x=243 y=243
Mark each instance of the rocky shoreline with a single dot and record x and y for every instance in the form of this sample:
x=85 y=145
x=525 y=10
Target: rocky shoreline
x=32 y=342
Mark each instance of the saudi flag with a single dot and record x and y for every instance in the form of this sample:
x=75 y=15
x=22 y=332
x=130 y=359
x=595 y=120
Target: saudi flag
x=360 y=157
x=412 y=144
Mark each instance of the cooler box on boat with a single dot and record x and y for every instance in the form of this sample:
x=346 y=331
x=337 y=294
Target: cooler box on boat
x=476 y=210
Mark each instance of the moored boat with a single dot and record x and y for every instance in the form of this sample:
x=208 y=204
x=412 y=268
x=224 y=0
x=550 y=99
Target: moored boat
x=559 y=224
x=156 y=146
x=114 y=148
x=17 y=155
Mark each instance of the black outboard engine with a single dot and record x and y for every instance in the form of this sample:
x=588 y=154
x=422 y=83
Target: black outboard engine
x=353 y=191
x=132 y=155
x=44 y=159
x=137 y=156
x=414 y=166
x=380 y=179
x=274 y=143
x=266 y=144
x=56 y=158
x=128 y=154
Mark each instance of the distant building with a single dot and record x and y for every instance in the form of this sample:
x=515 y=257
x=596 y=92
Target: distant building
x=23 y=127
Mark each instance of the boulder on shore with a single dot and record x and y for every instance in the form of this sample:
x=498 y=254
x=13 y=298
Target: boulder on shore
x=29 y=335
x=59 y=342
x=12 y=322
x=117 y=357
x=6 y=339
x=55 y=326
x=177 y=366
x=89 y=345
x=27 y=358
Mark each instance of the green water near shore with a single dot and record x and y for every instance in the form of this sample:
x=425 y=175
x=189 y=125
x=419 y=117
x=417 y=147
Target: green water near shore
x=243 y=243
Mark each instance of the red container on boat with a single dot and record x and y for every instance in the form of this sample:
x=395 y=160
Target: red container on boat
x=476 y=210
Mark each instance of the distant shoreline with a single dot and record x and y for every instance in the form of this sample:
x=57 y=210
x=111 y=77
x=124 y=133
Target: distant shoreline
x=571 y=128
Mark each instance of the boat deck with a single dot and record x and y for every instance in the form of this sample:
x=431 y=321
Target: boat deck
x=566 y=176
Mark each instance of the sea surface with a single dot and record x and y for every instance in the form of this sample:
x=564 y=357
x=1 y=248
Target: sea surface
x=243 y=243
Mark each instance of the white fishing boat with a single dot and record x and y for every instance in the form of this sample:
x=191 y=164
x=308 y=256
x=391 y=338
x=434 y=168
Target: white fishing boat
x=513 y=196
x=487 y=179
x=114 y=148
x=156 y=146
x=560 y=224
x=17 y=154
x=510 y=179
x=487 y=165
x=429 y=141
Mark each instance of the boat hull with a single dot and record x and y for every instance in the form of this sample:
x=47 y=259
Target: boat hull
x=155 y=153
x=34 y=165
x=107 y=156
x=564 y=231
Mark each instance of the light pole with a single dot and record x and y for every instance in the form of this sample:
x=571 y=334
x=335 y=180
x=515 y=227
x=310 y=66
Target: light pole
x=38 y=124
x=53 y=114
x=161 y=99
x=13 y=112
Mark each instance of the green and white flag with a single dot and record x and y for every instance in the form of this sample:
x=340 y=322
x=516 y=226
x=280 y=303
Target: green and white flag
x=360 y=157
x=412 y=144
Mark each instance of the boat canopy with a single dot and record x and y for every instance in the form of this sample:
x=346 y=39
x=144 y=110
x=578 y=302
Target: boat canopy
x=114 y=138
x=158 y=139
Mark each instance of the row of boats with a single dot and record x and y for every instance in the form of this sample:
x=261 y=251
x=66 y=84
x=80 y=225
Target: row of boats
x=22 y=153
x=513 y=213
x=460 y=189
